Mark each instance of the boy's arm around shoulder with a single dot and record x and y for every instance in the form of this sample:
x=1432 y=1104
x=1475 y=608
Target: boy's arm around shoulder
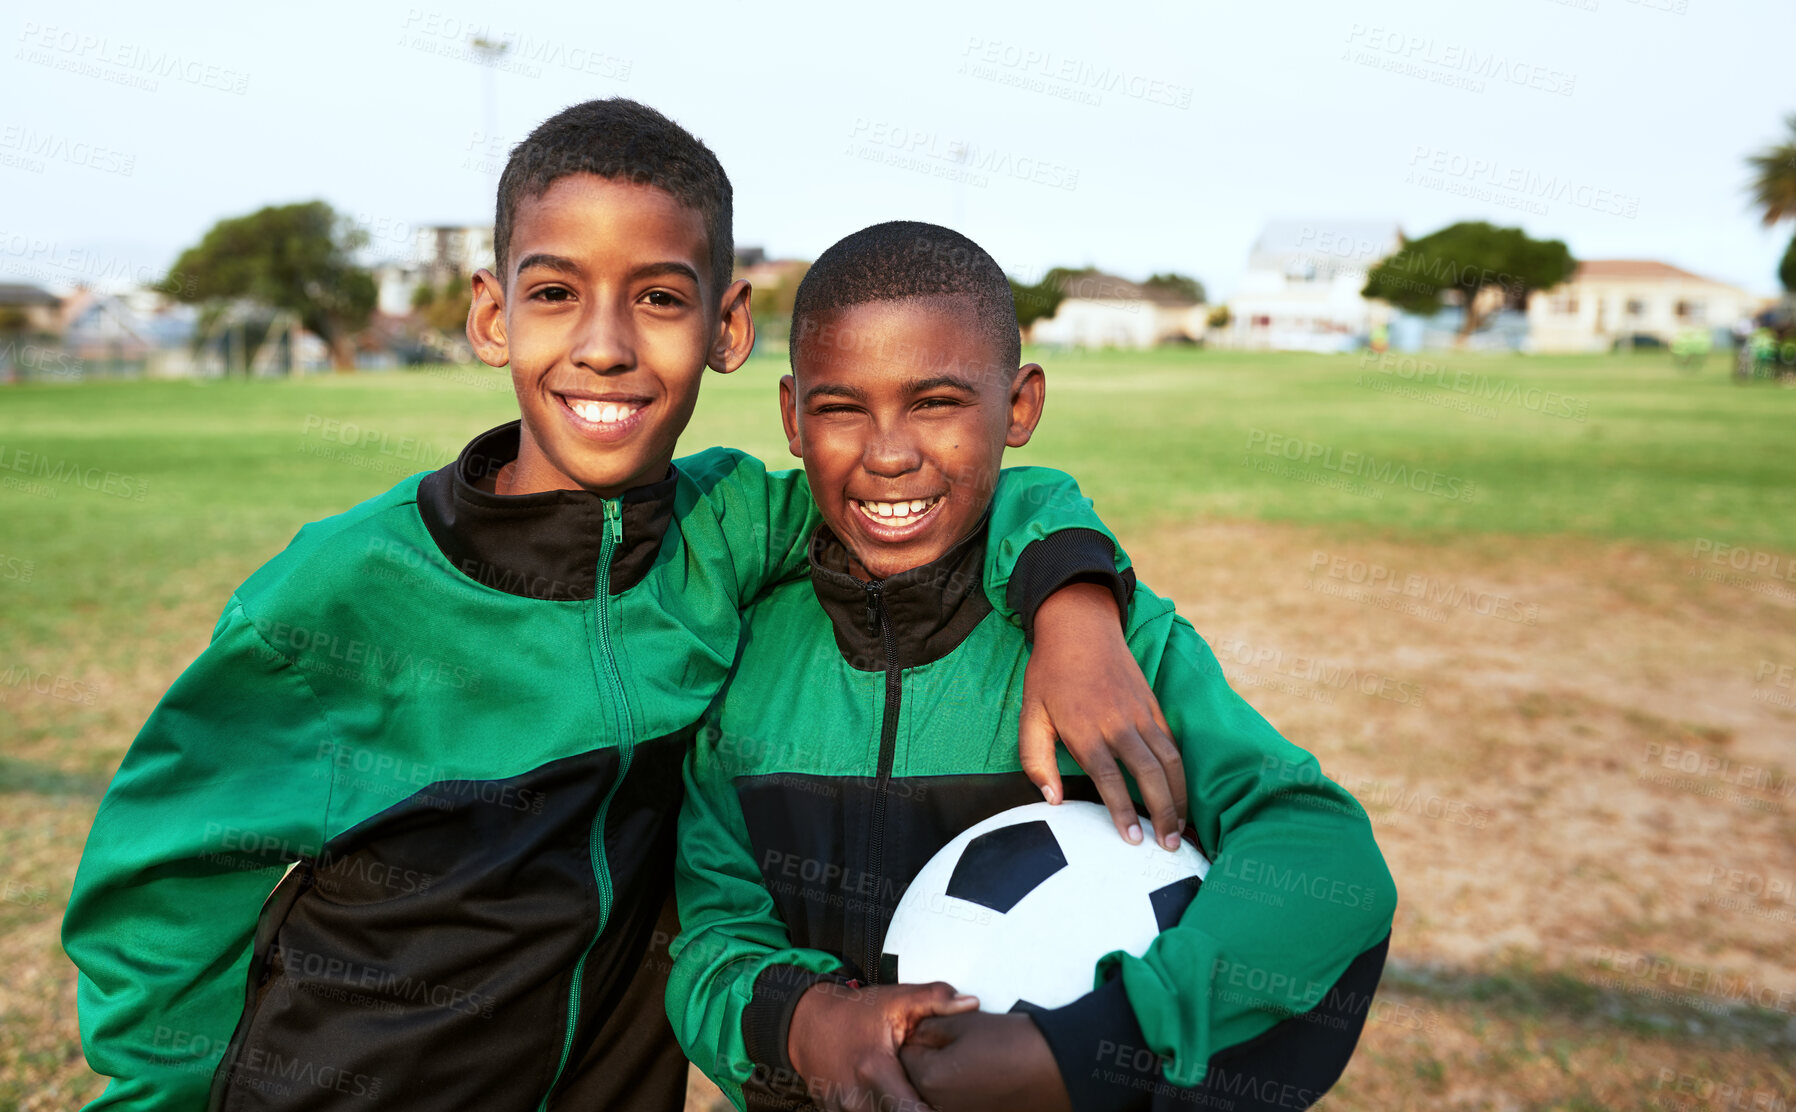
x=736 y=977
x=225 y=785
x=1044 y=532
x=1297 y=888
x=1044 y=536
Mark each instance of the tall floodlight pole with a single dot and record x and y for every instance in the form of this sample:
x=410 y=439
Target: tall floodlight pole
x=958 y=151
x=489 y=51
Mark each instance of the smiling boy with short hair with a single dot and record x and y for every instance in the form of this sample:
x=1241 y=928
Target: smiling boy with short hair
x=866 y=724
x=407 y=838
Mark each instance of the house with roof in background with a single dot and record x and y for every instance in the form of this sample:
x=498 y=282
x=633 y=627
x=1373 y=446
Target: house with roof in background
x=437 y=255
x=1301 y=290
x=29 y=309
x=1099 y=310
x=1623 y=300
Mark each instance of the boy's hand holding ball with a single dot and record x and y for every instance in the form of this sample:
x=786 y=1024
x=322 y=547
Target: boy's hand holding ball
x=844 y=1041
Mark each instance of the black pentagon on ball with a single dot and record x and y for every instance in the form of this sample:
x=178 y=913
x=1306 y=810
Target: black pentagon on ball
x=1170 y=901
x=998 y=869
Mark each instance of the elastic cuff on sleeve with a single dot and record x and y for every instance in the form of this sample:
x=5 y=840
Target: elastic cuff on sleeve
x=767 y=1025
x=1064 y=557
x=1103 y=1056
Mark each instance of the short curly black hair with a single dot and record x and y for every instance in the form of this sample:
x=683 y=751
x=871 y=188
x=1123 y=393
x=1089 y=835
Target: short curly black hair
x=623 y=140
x=902 y=259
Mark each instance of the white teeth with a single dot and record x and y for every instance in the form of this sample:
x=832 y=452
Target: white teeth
x=602 y=413
x=899 y=511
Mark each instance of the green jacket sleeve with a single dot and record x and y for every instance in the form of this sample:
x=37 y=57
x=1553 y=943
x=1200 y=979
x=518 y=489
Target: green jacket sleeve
x=225 y=785
x=1297 y=888
x=1045 y=533
x=736 y=975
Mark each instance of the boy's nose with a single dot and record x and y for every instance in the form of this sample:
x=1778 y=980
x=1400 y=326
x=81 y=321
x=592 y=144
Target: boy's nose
x=889 y=454
x=604 y=342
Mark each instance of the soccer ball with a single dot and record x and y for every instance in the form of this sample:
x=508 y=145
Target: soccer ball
x=1018 y=909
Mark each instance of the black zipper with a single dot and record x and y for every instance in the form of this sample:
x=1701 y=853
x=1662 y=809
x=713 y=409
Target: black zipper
x=878 y=619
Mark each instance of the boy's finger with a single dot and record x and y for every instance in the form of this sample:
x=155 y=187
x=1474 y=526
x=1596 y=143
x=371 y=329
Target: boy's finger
x=1036 y=743
x=939 y=998
x=1166 y=751
x=1101 y=766
x=957 y=1004
x=1153 y=781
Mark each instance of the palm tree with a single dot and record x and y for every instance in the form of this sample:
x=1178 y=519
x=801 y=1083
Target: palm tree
x=1774 y=177
x=1774 y=190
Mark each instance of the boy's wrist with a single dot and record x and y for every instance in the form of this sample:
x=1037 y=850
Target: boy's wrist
x=811 y=1010
x=770 y=1020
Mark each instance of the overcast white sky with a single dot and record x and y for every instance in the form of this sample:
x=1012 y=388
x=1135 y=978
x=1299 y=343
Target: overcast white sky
x=1138 y=137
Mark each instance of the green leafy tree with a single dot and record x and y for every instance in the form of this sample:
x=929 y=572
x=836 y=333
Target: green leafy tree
x=445 y=310
x=1041 y=300
x=1177 y=283
x=1472 y=259
x=1774 y=191
x=300 y=258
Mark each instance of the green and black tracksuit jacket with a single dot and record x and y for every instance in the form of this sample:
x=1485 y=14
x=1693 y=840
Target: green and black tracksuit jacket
x=867 y=724
x=401 y=836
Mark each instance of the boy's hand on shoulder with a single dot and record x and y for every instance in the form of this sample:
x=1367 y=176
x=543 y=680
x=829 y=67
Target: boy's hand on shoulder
x=977 y=1061
x=1084 y=687
x=844 y=1041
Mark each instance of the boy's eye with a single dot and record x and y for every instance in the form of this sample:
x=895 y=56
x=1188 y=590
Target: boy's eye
x=662 y=299
x=552 y=293
x=938 y=403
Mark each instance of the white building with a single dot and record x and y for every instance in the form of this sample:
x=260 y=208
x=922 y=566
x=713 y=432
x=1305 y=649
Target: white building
x=1302 y=288
x=439 y=252
x=1100 y=310
x=1607 y=299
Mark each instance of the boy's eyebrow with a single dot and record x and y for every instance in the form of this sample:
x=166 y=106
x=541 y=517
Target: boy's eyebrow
x=672 y=266
x=952 y=382
x=550 y=262
x=837 y=389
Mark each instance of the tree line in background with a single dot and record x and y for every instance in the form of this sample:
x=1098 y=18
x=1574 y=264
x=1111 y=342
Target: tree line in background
x=296 y=264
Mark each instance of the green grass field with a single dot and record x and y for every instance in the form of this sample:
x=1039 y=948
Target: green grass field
x=130 y=509
x=198 y=479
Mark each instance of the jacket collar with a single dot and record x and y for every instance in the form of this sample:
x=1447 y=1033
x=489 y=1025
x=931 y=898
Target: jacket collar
x=538 y=546
x=931 y=609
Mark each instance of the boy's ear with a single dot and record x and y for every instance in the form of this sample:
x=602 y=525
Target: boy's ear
x=1028 y=392
x=789 y=414
x=735 y=330
x=486 y=320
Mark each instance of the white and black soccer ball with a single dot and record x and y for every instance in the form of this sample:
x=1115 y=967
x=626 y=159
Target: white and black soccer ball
x=1020 y=907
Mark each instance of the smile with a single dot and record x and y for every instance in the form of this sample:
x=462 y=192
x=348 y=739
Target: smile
x=895 y=518
x=603 y=418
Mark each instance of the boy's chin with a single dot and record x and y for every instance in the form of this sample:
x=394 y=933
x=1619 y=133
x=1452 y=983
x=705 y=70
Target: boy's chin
x=613 y=474
x=883 y=561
